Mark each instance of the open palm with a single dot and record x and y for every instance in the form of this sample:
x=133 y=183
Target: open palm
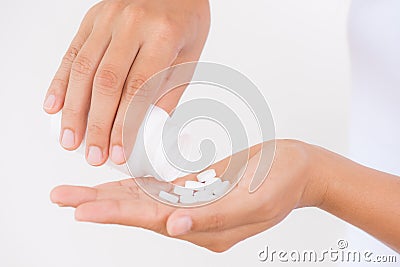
x=217 y=226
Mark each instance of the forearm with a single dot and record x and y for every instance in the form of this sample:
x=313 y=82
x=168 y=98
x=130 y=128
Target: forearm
x=366 y=198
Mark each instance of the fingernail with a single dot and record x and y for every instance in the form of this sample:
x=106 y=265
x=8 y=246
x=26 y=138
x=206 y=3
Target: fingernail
x=181 y=226
x=49 y=102
x=117 y=155
x=68 y=139
x=95 y=156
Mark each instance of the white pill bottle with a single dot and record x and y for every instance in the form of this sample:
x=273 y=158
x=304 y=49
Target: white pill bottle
x=148 y=158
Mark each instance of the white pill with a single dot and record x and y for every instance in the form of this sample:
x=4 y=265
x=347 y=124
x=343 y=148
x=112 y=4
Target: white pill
x=205 y=197
x=212 y=183
x=206 y=175
x=222 y=188
x=212 y=180
x=183 y=191
x=188 y=199
x=194 y=185
x=168 y=197
x=203 y=193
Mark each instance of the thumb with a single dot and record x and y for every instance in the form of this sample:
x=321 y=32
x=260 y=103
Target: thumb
x=237 y=208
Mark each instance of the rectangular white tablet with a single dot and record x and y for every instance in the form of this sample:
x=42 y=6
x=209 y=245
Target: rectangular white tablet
x=168 y=197
x=188 y=199
x=212 y=183
x=183 y=191
x=206 y=175
x=221 y=188
x=194 y=185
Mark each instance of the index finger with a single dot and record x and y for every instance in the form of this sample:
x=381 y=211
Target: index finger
x=55 y=95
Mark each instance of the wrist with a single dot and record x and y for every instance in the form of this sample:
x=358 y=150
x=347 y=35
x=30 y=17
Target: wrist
x=317 y=175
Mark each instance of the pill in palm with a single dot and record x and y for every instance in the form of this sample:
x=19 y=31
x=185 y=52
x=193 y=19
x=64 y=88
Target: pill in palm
x=183 y=191
x=222 y=188
x=203 y=193
x=168 y=197
x=194 y=185
x=186 y=199
x=200 y=197
x=212 y=183
x=206 y=175
x=212 y=189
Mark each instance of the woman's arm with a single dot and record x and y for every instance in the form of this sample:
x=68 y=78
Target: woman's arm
x=364 y=197
x=301 y=175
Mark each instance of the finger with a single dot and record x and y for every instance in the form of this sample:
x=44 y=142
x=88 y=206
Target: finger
x=55 y=95
x=73 y=196
x=124 y=182
x=152 y=185
x=151 y=215
x=77 y=100
x=107 y=87
x=147 y=214
x=110 y=184
x=137 y=96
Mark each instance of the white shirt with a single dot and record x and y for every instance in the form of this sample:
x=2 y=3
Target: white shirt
x=374 y=39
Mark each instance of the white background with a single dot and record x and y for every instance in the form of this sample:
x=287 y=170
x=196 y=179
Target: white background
x=295 y=51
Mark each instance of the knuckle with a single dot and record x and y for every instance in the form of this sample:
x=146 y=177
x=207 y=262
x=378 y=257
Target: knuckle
x=69 y=111
x=70 y=55
x=96 y=128
x=93 y=10
x=107 y=82
x=133 y=13
x=112 y=6
x=82 y=66
x=136 y=87
x=90 y=16
x=167 y=29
